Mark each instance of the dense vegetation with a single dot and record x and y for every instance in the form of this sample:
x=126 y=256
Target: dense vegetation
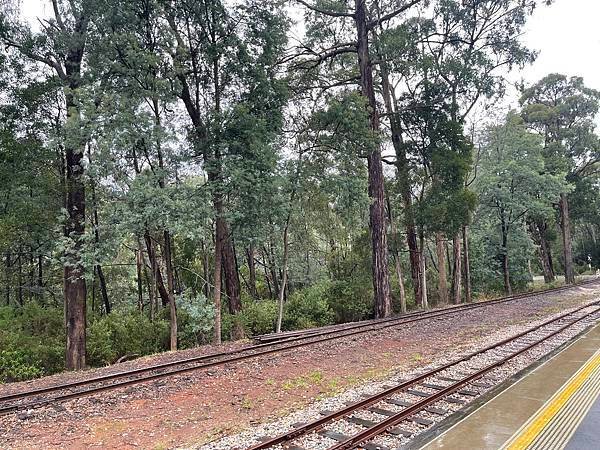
x=177 y=172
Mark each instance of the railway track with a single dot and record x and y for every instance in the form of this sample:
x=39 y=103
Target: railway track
x=43 y=396
x=273 y=337
x=390 y=418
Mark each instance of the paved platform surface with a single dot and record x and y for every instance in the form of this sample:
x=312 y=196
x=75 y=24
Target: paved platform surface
x=556 y=406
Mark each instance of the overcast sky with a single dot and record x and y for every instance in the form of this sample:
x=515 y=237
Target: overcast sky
x=567 y=35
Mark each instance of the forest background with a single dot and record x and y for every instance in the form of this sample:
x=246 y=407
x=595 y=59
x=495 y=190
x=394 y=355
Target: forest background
x=174 y=173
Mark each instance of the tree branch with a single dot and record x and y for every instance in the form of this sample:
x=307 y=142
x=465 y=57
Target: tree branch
x=326 y=12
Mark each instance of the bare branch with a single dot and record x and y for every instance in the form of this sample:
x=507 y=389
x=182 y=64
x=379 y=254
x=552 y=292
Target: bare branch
x=373 y=23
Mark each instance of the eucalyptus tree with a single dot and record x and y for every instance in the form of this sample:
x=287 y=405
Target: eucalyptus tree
x=563 y=110
x=62 y=45
x=223 y=67
x=465 y=46
x=514 y=182
x=337 y=29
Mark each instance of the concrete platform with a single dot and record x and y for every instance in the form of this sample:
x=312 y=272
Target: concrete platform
x=518 y=417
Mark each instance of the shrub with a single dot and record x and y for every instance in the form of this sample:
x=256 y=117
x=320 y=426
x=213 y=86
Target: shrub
x=259 y=317
x=19 y=365
x=350 y=300
x=195 y=320
x=123 y=333
x=308 y=308
x=31 y=341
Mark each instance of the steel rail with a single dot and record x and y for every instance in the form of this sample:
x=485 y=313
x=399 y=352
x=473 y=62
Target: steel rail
x=381 y=427
x=272 y=337
x=319 y=423
x=235 y=355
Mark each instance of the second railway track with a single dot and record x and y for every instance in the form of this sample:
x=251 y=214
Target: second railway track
x=37 y=397
x=389 y=419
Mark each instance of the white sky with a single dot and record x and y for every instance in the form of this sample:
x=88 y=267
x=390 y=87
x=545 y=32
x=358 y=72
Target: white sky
x=567 y=35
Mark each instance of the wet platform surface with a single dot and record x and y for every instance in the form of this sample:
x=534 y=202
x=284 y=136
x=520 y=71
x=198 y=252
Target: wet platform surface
x=518 y=417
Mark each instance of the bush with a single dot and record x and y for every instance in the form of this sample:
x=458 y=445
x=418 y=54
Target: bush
x=19 y=365
x=123 y=333
x=31 y=341
x=350 y=300
x=259 y=317
x=195 y=320
x=308 y=308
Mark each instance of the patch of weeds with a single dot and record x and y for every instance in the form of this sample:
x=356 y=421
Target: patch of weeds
x=246 y=403
x=416 y=357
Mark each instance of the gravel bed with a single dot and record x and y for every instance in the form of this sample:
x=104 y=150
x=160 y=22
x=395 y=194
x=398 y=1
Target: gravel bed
x=495 y=376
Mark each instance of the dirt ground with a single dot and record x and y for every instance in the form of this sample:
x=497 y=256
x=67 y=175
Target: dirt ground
x=201 y=406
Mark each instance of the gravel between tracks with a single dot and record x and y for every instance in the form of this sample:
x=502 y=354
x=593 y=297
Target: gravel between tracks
x=193 y=409
x=311 y=441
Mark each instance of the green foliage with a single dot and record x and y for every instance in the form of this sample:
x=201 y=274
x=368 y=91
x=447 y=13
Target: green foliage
x=125 y=333
x=308 y=308
x=350 y=300
x=19 y=365
x=32 y=341
x=195 y=319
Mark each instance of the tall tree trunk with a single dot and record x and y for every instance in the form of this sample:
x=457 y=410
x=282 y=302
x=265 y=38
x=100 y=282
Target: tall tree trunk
x=139 y=265
x=466 y=264
x=284 y=278
x=538 y=230
x=205 y=269
x=217 y=273
x=171 y=288
x=565 y=223
x=272 y=269
x=250 y=253
x=103 y=290
x=403 y=177
x=20 y=277
x=456 y=271
x=442 y=277
x=397 y=262
x=8 y=278
x=381 y=283
x=423 y=271
x=156 y=272
x=74 y=277
x=505 y=266
x=232 y=280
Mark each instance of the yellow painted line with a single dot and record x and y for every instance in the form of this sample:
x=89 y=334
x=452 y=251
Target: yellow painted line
x=528 y=434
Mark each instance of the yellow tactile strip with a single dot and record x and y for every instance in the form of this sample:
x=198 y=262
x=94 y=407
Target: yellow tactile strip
x=554 y=423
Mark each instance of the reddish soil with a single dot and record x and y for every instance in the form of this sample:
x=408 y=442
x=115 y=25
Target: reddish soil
x=203 y=405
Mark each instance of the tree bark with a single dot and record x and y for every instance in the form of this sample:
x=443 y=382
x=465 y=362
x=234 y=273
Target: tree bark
x=139 y=264
x=8 y=278
x=538 y=230
x=250 y=253
x=441 y=258
x=403 y=176
x=20 y=277
x=381 y=283
x=171 y=289
x=284 y=278
x=566 y=238
x=397 y=261
x=74 y=278
x=422 y=270
x=217 y=275
x=456 y=271
x=466 y=264
x=505 y=266
x=232 y=280
x=103 y=290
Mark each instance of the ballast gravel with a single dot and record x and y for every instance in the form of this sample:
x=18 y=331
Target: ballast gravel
x=315 y=441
